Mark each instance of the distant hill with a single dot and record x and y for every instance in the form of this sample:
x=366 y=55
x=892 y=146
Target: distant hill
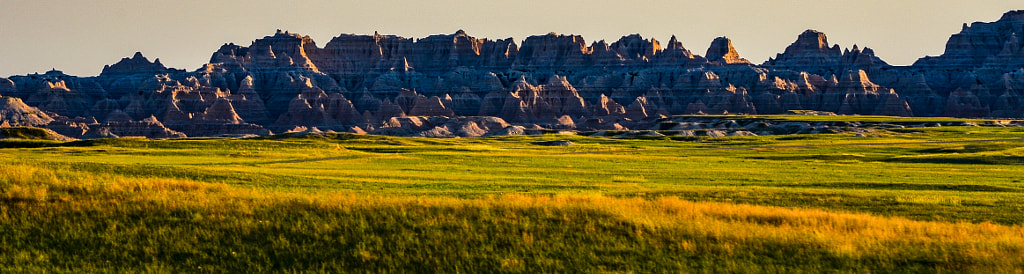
x=31 y=133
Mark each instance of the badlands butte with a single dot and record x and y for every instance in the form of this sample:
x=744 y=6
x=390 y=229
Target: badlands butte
x=459 y=85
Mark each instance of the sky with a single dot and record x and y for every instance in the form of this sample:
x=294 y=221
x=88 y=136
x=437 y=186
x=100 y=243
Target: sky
x=81 y=36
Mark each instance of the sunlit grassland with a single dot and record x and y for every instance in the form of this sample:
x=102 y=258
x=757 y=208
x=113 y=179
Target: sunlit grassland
x=926 y=199
x=846 y=118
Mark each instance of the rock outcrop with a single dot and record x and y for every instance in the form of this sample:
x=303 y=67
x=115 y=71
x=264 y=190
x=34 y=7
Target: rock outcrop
x=137 y=64
x=15 y=112
x=812 y=53
x=722 y=51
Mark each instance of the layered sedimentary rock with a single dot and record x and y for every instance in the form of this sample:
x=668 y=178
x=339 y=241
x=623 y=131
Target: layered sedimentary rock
x=854 y=93
x=57 y=92
x=983 y=44
x=457 y=85
x=978 y=72
x=14 y=112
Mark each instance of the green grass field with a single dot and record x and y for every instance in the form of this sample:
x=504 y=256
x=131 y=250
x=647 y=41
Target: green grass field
x=944 y=199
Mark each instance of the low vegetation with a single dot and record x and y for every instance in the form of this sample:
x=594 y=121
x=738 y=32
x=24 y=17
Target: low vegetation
x=31 y=133
x=902 y=200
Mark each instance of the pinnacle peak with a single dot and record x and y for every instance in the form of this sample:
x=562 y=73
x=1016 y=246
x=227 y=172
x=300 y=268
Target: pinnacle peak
x=721 y=50
x=811 y=39
x=674 y=44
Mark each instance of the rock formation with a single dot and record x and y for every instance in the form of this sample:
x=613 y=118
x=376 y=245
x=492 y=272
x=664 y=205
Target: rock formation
x=137 y=64
x=995 y=44
x=457 y=85
x=721 y=51
x=812 y=53
x=14 y=112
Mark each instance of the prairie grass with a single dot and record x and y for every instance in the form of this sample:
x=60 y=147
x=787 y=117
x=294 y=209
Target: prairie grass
x=80 y=222
x=346 y=203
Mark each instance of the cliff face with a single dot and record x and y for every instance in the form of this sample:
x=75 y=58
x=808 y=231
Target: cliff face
x=382 y=83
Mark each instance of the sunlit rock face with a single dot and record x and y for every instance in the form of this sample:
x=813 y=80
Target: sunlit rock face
x=14 y=112
x=457 y=85
x=854 y=93
x=56 y=92
x=283 y=50
x=674 y=55
x=722 y=51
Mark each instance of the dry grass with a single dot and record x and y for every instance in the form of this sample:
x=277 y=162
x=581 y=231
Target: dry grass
x=174 y=225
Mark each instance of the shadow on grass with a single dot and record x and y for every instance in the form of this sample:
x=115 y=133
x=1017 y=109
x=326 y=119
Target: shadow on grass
x=973 y=148
x=975 y=160
x=1001 y=212
x=18 y=143
x=29 y=143
x=905 y=186
x=825 y=157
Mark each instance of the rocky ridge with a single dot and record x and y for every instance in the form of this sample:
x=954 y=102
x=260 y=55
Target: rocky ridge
x=457 y=85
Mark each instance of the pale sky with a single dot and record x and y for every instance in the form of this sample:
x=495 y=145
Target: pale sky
x=80 y=36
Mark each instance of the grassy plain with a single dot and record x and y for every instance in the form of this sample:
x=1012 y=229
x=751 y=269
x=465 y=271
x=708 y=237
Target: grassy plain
x=904 y=200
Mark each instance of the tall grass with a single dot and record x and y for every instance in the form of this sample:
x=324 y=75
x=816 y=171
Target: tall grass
x=75 y=221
